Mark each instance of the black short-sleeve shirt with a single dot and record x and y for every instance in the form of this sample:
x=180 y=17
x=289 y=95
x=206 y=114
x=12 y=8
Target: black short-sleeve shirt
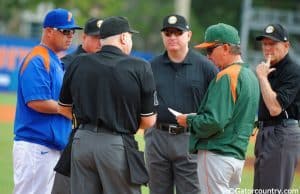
x=109 y=89
x=285 y=81
x=181 y=86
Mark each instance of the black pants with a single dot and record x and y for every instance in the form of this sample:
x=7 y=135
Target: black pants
x=277 y=152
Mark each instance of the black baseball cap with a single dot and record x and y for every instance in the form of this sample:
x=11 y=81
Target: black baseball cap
x=275 y=32
x=175 y=21
x=115 y=25
x=92 y=26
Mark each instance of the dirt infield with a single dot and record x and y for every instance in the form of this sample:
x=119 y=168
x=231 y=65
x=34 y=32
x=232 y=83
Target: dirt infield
x=7 y=113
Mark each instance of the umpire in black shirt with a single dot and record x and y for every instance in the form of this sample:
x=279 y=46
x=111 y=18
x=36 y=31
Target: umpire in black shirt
x=114 y=94
x=277 y=145
x=182 y=76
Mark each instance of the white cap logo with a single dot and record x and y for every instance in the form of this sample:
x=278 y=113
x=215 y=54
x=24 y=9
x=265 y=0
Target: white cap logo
x=99 y=22
x=270 y=29
x=172 y=20
x=69 y=16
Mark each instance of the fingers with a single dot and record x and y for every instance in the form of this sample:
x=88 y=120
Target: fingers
x=181 y=120
x=268 y=60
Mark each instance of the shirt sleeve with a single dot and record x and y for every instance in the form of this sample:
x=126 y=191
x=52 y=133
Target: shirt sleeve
x=288 y=89
x=65 y=97
x=35 y=81
x=215 y=111
x=149 y=98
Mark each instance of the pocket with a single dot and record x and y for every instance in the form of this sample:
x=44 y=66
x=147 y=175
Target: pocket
x=279 y=135
x=136 y=164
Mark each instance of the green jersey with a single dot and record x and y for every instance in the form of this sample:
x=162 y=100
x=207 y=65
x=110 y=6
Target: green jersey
x=225 y=118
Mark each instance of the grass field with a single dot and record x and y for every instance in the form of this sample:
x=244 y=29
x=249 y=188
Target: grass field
x=6 y=140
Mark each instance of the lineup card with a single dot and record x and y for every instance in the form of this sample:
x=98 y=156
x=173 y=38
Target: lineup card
x=174 y=112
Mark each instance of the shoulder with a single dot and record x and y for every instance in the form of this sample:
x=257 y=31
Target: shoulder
x=203 y=63
x=232 y=72
x=157 y=59
x=38 y=55
x=199 y=58
x=133 y=63
x=134 y=60
x=292 y=67
x=67 y=58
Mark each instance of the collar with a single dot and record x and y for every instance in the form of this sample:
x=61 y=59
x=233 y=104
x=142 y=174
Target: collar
x=51 y=52
x=112 y=49
x=186 y=61
x=80 y=50
x=280 y=65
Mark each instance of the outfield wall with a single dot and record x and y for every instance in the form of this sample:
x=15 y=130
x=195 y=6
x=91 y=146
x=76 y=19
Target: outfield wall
x=13 y=49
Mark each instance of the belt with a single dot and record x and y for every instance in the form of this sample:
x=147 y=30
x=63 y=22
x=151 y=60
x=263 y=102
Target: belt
x=95 y=128
x=284 y=122
x=173 y=129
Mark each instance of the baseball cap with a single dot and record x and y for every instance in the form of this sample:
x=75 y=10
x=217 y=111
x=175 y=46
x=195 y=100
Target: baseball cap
x=175 y=21
x=219 y=33
x=115 y=25
x=92 y=26
x=275 y=32
x=61 y=19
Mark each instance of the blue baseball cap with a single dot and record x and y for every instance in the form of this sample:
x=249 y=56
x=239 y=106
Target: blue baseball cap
x=61 y=19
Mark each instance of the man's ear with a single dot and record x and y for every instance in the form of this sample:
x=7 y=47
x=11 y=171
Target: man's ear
x=226 y=47
x=123 y=38
x=190 y=34
x=287 y=45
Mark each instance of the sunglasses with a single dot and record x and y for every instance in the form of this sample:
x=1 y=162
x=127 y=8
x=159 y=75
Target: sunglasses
x=211 y=49
x=66 y=32
x=169 y=33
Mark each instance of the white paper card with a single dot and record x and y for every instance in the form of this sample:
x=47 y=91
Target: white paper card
x=174 y=112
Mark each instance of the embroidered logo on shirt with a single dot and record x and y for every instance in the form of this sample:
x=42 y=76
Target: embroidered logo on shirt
x=43 y=153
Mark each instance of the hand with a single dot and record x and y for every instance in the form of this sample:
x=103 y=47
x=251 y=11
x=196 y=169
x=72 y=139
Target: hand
x=263 y=69
x=181 y=120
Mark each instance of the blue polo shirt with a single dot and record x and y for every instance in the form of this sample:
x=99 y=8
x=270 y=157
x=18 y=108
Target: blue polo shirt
x=40 y=78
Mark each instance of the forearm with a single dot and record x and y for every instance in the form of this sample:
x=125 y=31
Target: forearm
x=269 y=97
x=65 y=111
x=202 y=129
x=147 y=122
x=44 y=106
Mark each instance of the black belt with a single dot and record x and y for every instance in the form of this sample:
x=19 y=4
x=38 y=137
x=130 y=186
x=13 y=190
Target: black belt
x=284 y=122
x=95 y=128
x=173 y=129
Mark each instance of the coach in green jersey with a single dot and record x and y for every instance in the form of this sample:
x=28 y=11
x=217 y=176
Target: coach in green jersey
x=221 y=128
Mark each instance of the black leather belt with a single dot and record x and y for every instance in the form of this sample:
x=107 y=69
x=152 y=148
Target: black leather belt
x=95 y=128
x=173 y=129
x=284 y=122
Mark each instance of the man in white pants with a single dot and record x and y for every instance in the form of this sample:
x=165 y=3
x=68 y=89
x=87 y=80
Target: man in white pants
x=41 y=132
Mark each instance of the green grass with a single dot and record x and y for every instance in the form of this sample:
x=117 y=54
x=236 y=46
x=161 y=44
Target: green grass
x=8 y=98
x=6 y=172
x=250 y=150
x=6 y=142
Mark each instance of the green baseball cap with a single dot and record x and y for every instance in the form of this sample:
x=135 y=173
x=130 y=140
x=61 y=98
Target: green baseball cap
x=219 y=33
